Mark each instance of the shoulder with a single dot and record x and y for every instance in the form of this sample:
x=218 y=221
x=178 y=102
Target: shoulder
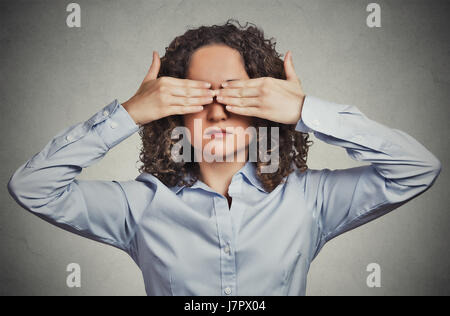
x=143 y=189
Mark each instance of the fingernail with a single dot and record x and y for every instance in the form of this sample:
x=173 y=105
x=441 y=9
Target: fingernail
x=224 y=84
x=207 y=84
x=229 y=107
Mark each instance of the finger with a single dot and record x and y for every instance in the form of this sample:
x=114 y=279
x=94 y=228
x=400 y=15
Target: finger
x=154 y=68
x=289 y=67
x=239 y=101
x=185 y=101
x=255 y=82
x=239 y=92
x=187 y=82
x=180 y=109
x=182 y=91
x=248 y=111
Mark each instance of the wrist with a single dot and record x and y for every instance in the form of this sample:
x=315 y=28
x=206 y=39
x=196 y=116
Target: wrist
x=302 y=101
x=128 y=106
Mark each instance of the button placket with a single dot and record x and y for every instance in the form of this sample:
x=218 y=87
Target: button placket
x=227 y=258
x=227 y=249
x=237 y=206
x=227 y=290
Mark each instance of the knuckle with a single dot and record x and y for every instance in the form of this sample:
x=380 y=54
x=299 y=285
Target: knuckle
x=162 y=89
x=162 y=98
x=264 y=89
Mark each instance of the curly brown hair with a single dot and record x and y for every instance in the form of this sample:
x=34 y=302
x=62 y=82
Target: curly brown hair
x=261 y=60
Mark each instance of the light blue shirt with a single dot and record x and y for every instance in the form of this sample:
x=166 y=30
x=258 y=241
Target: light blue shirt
x=187 y=241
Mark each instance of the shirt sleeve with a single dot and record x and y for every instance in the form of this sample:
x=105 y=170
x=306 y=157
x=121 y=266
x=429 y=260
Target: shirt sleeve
x=46 y=186
x=400 y=168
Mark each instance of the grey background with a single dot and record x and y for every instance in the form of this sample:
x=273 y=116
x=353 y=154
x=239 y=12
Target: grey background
x=53 y=76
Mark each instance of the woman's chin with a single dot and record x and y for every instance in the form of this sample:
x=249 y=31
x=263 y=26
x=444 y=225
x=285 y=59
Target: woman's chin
x=222 y=154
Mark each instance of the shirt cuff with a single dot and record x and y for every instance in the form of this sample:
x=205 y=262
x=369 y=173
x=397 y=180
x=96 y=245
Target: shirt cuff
x=114 y=124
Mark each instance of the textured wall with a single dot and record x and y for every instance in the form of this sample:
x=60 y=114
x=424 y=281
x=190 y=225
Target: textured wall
x=53 y=76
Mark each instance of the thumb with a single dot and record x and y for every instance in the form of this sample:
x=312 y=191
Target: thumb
x=154 y=68
x=289 y=67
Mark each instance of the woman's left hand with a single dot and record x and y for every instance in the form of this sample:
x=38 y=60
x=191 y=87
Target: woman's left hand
x=269 y=98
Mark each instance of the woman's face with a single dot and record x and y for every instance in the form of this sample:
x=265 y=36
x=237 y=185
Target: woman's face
x=216 y=64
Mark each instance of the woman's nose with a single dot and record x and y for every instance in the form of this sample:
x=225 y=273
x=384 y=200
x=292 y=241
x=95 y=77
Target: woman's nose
x=216 y=111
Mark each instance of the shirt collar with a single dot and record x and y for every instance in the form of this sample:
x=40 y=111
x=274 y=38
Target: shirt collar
x=248 y=171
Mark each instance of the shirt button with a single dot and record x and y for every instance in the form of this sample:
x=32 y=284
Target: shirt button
x=69 y=138
x=227 y=291
x=226 y=249
x=113 y=124
x=105 y=113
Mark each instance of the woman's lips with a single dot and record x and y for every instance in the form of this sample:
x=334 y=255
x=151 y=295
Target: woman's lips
x=218 y=135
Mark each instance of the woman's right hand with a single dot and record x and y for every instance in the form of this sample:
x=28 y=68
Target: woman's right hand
x=164 y=96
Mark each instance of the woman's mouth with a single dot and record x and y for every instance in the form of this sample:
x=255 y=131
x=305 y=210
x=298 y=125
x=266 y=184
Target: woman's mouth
x=218 y=133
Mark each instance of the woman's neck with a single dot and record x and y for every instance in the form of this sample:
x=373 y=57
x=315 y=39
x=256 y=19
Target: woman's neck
x=218 y=175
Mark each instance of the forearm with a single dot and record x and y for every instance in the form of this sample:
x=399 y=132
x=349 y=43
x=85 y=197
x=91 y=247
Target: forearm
x=51 y=170
x=396 y=155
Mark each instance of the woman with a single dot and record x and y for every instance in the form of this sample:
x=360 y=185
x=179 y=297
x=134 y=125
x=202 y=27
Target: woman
x=223 y=227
